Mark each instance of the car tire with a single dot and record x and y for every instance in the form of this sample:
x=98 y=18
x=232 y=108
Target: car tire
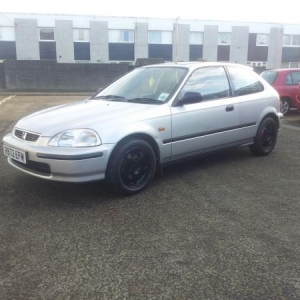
x=265 y=139
x=131 y=167
x=285 y=106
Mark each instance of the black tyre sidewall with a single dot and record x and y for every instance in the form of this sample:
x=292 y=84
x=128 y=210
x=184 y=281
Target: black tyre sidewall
x=257 y=147
x=113 y=171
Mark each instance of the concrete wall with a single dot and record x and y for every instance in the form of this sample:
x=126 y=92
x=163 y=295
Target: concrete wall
x=141 y=41
x=64 y=41
x=99 y=41
x=27 y=39
x=2 y=77
x=210 y=43
x=52 y=76
x=275 y=48
x=239 y=44
x=181 y=42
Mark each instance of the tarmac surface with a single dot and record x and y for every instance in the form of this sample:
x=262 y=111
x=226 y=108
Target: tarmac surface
x=222 y=227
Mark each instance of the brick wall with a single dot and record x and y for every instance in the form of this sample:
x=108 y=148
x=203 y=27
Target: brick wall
x=38 y=75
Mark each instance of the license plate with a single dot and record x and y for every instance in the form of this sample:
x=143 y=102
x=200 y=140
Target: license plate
x=15 y=154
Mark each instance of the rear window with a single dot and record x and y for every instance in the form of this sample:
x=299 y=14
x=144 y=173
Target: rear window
x=269 y=76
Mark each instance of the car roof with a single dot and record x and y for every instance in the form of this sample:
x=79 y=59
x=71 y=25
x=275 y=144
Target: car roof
x=197 y=64
x=283 y=70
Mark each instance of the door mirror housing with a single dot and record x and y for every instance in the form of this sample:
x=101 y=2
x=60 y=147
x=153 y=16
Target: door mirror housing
x=190 y=97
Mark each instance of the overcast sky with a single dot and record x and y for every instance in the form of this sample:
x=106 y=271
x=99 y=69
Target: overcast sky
x=229 y=10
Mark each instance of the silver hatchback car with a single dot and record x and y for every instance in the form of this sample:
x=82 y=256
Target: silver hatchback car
x=150 y=117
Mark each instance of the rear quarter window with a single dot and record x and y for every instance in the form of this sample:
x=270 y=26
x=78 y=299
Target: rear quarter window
x=269 y=76
x=244 y=81
x=293 y=78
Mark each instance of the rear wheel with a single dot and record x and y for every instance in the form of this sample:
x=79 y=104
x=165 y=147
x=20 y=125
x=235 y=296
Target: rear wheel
x=131 y=166
x=266 y=137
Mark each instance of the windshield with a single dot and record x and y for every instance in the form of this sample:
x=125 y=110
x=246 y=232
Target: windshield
x=150 y=85
x=269 y=76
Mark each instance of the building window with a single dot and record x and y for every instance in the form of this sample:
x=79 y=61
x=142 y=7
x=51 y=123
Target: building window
x=47 y=34
x=81 y=35
x=294 y=64
x=154 y=37
x=262 y=40
x=291 y=40
x=196 y=38
x=7 y=33
x=82 y=51
x=127 y=36
x=224 y=38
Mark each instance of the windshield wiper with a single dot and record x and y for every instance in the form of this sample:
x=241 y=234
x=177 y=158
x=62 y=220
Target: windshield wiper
x=145 y=100
x=110 y=97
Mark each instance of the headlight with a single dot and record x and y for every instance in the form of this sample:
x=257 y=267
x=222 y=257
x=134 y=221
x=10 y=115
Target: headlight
x=75 y=138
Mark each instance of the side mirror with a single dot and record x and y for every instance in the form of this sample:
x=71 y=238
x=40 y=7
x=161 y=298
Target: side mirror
x=191 y=97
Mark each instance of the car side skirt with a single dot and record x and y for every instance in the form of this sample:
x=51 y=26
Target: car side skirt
x=208 y=151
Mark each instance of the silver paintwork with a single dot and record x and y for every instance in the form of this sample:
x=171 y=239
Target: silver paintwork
x=114 y=121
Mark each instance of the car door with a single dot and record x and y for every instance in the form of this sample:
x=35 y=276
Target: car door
x=292 y=88
x=249 y=92
x=210 y=122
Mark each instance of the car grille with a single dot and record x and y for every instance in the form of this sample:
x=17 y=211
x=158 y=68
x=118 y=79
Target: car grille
x=35 y=167
x=26 y=136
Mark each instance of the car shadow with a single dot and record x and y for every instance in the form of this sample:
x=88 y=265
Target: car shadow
x=38 y=192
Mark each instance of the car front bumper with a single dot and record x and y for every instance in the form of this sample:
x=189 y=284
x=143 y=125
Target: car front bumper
x=58 y=163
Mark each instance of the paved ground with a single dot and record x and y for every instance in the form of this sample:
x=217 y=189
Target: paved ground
x=223 y=227
x=292 y=119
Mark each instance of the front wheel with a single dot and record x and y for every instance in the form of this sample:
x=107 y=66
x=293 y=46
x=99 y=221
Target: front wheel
x=265 y=139
x=131 y=166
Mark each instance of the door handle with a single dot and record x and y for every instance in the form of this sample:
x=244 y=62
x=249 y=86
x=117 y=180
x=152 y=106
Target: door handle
x=229 y=108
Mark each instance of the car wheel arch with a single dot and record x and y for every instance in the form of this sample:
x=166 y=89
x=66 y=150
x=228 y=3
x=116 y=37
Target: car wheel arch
x=143 y=136
x=266 y=137
x=286 y=98
x=273 y=116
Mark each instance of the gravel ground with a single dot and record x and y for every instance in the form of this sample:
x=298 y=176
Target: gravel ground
x=222 y=227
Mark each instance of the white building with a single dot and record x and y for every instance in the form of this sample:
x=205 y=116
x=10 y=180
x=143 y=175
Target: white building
x=96 y=39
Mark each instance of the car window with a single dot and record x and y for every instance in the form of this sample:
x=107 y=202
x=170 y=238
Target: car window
x=295 y=78
x=288 y=80
x=210 y=83
x=244 y=81
x=146 y=84
x=269 y=76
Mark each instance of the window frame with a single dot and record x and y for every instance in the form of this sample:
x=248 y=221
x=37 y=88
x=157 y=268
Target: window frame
x=220 y=39
x=195 y=33
x=229 y=95
x=46 y=40
x=294 y=62
x=85 y=30
x=152 y=32
x=292 y=78
x=262 y=35
x=130 y=35
x=258 y=83
x=7 y=34
x=291 y=37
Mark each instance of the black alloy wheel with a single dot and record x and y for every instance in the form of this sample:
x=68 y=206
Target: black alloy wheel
x=266 y=137
x=131 y=167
